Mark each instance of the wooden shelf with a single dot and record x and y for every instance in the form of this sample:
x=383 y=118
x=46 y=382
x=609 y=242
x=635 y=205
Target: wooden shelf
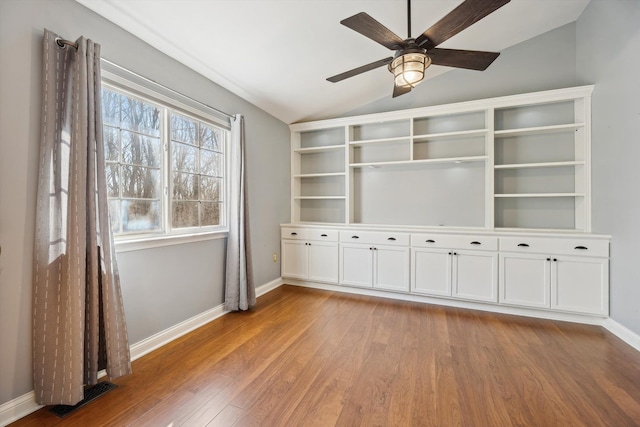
x=380 y=141
x=446 y=135
x=538 y=130
x=318 y=175
x=539 y=195
x=539 y=165
x=319 y=197
x=422 y=161
x=318 y=149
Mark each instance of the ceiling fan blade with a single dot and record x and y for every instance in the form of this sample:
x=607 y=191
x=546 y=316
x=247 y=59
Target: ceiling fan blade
x=400 y=90
x=360 y=70
x=469 y=59
x=466 y=14
x=369 y=27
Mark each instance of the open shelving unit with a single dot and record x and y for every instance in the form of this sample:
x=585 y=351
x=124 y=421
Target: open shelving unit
x=518 y=162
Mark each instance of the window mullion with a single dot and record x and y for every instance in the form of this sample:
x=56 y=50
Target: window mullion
x=167 y=172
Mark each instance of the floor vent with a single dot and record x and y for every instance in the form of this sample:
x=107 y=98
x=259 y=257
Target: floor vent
x=90 y=393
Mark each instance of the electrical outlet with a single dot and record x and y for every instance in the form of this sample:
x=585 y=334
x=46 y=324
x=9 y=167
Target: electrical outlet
x=275 y=257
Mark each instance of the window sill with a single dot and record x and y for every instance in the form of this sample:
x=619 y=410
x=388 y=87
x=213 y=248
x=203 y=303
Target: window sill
x=137 y=244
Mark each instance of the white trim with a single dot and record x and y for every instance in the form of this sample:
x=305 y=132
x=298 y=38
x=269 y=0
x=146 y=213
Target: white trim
x=17 y=408
x=136 y=244
x=622 y=332
x=269 y=286
x=24 y=405
x=156 y=341
x=540 y=314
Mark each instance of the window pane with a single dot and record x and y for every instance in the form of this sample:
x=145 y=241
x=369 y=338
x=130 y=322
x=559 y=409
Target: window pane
x=140 y=215
x=140 y=150
x=183 y=157
x=110 y=107
x=140 y=182
x=184 y=214
x=185 y=186
x=210 y=138
x=111 y=143
x=184 y=129
x=210 y=213
x=113 y=179
x=210 y=163
x=140 y=116
x=210 y=188
x=114 y=214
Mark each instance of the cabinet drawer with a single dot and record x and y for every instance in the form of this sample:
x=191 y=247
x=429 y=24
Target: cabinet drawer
x=293 y=233
x=375 y=238
x=321 y=234
x=459 y=241
x=561 y=246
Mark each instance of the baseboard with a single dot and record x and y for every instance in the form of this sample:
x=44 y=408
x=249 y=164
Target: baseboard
x=622 y=332
x=17 y=408
x=24 y=405
x=493 y=308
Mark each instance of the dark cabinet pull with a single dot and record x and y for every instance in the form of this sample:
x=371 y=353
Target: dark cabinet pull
x=391 y=238
x=476 y=243
x=294 y=234
x=523 y=245
x=450 y=253
x=584 y=248
x=548 y=259
x=430 y=241
x=455 y=253
x=555 y=260
x=355 y=237
x=323 y=235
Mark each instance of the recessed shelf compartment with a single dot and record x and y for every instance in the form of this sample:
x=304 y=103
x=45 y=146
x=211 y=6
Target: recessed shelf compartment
x=535 y=180
x=513 y=162
x=548 y=212
x=383 y=131
x=450 y=123
x=450 y=147
x=322 y=138
x=538 y=115
x=326 y=210
x=322 y=185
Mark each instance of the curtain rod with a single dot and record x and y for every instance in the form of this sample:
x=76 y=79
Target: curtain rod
x=62 y=43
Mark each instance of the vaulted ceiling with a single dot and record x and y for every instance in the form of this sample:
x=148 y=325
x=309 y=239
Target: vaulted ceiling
x=277 y=54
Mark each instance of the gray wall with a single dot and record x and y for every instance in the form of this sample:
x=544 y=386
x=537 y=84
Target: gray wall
x=608 y=42
x=161 y=286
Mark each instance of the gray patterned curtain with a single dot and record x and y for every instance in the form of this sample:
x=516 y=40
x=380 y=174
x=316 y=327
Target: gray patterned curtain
x=78 y=317
x=240 y=292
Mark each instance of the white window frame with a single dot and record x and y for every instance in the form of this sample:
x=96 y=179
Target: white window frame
x=131 y=84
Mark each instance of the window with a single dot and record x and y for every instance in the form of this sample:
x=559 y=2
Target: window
x=164 y=166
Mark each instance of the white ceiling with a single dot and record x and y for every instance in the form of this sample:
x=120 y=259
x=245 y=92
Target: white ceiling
x=277 y=54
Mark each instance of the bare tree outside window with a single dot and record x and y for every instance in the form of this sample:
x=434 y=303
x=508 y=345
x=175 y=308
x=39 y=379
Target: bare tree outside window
x=197 y=172
x=134 y=153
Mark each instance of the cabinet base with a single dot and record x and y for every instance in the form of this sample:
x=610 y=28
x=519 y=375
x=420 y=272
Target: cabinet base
x=493 y=308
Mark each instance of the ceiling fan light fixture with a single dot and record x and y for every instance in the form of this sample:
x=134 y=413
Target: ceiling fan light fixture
x=408 y=69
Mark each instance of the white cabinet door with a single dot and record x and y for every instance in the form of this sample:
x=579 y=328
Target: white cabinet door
x=294 y=259
x=431 y=271
x=391 y=268
x=580 y=285
x=525 y=279
x=475 y=275
x=323 y=261
x=356 y=265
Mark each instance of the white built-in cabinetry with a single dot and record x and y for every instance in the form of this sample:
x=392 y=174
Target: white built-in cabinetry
x=435 y=201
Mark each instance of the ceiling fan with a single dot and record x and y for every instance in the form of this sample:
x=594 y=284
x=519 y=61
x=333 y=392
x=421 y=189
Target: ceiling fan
x=413 y=56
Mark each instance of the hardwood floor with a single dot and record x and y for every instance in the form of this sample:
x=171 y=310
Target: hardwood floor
x=306 y=357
